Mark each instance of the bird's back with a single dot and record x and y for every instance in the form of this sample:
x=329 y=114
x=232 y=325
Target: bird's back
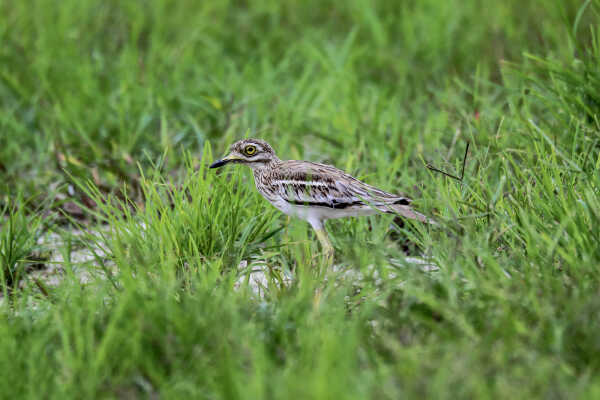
x=312 y=183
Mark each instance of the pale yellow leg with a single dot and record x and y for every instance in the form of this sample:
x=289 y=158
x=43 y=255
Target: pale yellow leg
x=328 y=249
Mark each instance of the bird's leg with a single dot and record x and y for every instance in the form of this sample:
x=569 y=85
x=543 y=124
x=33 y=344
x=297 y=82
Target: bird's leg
x=326 y=245
x=328 y=251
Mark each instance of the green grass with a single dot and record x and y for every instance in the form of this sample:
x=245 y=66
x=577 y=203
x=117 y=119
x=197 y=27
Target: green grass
x=18 y=241
x=111 y=111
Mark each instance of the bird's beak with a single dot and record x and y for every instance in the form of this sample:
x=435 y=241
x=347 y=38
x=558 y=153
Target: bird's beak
x=223 y=161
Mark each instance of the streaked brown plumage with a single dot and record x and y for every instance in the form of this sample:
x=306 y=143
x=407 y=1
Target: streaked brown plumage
x=314 y=192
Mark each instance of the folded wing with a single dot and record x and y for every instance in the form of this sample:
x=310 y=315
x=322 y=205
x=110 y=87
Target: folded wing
x=313 y=184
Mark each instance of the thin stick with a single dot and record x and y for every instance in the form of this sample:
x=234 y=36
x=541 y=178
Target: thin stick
x=462 y=172
x=41 y=286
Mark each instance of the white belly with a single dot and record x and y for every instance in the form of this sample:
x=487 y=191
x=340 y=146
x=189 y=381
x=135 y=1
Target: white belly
x=311 y=213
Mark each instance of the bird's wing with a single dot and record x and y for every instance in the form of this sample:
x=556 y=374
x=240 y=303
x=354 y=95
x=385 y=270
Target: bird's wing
x=301 y=182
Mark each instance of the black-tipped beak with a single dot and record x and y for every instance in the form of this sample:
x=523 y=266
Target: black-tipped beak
x=219 y=163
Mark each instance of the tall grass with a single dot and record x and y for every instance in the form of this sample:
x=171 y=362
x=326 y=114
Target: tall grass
x=19 y=235
x=128 y=103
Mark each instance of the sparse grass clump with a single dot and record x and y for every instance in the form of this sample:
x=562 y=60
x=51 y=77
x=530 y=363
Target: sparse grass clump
x=110 y=113
x=19 y=235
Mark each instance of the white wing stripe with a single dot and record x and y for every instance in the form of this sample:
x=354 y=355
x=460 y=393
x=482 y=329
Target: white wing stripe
x=300 y=183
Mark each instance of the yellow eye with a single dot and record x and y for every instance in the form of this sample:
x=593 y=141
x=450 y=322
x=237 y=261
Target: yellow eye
x=250 y=150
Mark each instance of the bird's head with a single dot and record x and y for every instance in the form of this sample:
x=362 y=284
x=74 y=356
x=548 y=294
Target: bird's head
x=255 y=153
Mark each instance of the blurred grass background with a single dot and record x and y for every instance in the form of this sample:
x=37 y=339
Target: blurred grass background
x=110 y=112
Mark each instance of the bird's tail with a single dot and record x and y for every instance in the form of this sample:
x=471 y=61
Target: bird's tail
x=407 y=212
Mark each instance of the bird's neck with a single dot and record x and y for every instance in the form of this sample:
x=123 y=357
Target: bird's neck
x=261 y=168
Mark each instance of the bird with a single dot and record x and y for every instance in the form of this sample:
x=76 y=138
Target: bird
x=314 y=192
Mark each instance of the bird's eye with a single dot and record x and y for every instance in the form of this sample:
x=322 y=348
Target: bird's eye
x=249 y=150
